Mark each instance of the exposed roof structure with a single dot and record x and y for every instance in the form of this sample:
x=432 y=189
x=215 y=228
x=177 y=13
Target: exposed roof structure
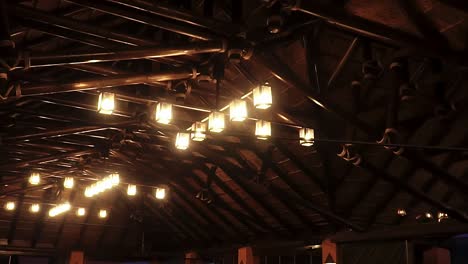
x=380 y=82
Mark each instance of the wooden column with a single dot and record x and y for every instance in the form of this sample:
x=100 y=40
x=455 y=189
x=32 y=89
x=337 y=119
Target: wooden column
x=328 y=248
x=245 y=255
x=76 y=257
x=191 y=257
x=437 y=256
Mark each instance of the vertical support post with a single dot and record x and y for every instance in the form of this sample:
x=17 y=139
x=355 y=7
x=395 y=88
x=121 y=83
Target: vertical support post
x=191 y=257
x=76 y=257
x=245 y=255
x=329 y=250
x=437 y=256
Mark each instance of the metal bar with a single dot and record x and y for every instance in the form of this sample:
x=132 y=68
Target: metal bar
x=56 y=59
x=47 y=158
x=105 y=82
x=146 y=19
x=343 y=61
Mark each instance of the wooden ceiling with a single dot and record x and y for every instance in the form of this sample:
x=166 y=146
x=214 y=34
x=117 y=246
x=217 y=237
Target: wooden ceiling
x=358 y=72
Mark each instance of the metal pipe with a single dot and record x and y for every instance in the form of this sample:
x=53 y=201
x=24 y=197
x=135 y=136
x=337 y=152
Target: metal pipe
x=343 y=61
x=144 y=19
x=47 y=158
x=105 y=82
x=54 y=59
x=173 y=13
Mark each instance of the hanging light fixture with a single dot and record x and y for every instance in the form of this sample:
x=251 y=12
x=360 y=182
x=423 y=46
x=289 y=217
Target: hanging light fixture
x=306 y=136
x=329 y=260
x=102 y=185
x=238 y=110
x=163 y=113
x=35 y=208
x=198 y=131
x=263 y=129
x=10 y=206
x=35 y=178
x=106 y=103
x=216 y=122
x=59 y=209
x=262 y=97
x=81 y=211
x=131 y=190
x=182 y=140
x=442 y=216
x=401 y=212
x=102 y=213
x=68 y=182
x=160 y=193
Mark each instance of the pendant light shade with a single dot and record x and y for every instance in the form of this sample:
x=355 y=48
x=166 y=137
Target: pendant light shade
x=106 y=103
x=262 y=129
x=102 y=213
x=81 y=211
x=262 y=97
x=160 y=193
x=131 y=190
x=10 y=206
x=198 y=131
x=35 y=208
x=68 y=182
x=182 y=140
x=306 y=136
x=216 y=122
x=35 y=178
x=238 y=110
x=163 y=113
x=329 y=260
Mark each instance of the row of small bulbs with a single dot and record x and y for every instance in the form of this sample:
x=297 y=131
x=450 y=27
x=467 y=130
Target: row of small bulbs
x=262 y=99
x=441 y=216
x=100 y=186
x=56 y=210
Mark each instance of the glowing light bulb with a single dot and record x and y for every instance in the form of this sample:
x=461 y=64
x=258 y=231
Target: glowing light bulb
x=68 y=183
x=81 y=211
x=131 y=190
x=10 y=206
x=238 y=110
x=216 y=122
x=306 y=136
x=35 y=208
x=182 y=140
x=263 y=129
x=198 y=131
x=102 y=213
x=106 y=103
x=262 y=97
x=35 y=178
x=401 y=212
x=163 y=113
x=160 y=193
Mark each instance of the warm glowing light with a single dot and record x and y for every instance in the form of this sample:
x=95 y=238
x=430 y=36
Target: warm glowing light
x=306 y=136
x=262 y=129
x=442 y=216
x=428 y=215
x=160 y=193
x=35 y=178
x=59 y=209
x=10 y=206
x=262 y=98
x=216 y=122
x=238 y=110
x=163 y=113
x=81 y=211
x=182 y=140
x=131 y=190
x=102 y=213
x=68 y=183
x=198 y=131
x=106 y=103
x=35 y=208
x=401 y=212
x=102 y=185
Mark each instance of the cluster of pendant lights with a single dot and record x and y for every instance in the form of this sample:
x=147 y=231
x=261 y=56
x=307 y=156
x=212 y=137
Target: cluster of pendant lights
x=262 y=99
x=94 y=189
x=427 y=216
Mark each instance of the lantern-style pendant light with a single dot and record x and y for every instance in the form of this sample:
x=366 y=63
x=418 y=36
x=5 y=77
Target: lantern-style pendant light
x=102 y=213
x=68 y=182
x=263 y=129
x=306 y=136
x=163 y=113
x=81 y=211
x=262 y=97
x=35 y=178
x=216 y=122
x=198 y=131
x=238 y=110
x=160 y=193
x=131 y=190
x=106 y=103
x=35 y=208
x=182 y=140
